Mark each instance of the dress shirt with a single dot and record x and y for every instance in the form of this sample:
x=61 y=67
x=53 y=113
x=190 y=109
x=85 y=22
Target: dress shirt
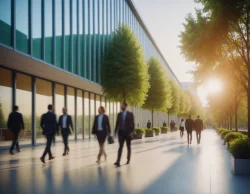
x=182 y=124
x=100 y=117
x=124 y=113
x=64 y=121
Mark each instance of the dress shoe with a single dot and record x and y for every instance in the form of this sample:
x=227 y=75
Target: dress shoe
x=64 y=154
x=128 y=162
x=51 y=158
x=98 y=162
x=11 y=153
x=42 y=160
x=18 y=150
x=117 y=164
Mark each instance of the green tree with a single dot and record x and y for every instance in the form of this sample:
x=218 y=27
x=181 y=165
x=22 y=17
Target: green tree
x=220 y=31
x=174 y=109
x=159 y=95
x=125 y=72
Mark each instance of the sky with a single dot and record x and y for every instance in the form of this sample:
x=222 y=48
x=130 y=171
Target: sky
x=164 y=20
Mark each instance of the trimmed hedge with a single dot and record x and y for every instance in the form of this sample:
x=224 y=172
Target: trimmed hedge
x=221 y=131
x=157 y=129
x=224 y=133
x=149 y=132
x=165 y=129
x=139 y=131
x=240 y=148
x=232 y=135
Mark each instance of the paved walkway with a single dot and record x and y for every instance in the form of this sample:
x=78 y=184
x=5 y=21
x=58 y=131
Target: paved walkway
x=165 y=164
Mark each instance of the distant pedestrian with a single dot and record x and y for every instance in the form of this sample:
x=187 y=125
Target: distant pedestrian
x=198 y=126
x=164 y=124
x=174 y=124
x=49 y=126
x=171 y=125
x=15 y=125
x=182 y=126
x=101 y=129
x=189 y=127
x=148 y=124
x=125 y=128
x=66 y=125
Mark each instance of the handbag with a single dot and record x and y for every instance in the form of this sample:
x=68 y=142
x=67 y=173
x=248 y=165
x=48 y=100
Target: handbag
x=110 y=140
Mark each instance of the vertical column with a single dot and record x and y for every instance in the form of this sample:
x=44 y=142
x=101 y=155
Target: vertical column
x=76 y=124
x=13 y=89
x=89 y=114
x=94 y=41
x=43 y=30
x=13 y=24
x=83 y=113
x=63 y=34
x=78 y=40
x=71 y=38
x=54 y=31
x=30 y=27
x=33 y=111
x=65 y=96
x=54 y=102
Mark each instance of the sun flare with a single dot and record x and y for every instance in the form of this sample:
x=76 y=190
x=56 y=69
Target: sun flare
x=212 y=86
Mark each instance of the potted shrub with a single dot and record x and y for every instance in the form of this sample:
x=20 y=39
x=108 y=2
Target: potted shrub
x=240 y=160
x=176 y=128
x=224 y=133
x=164 y=129
x=149 y=133
x=138 y=133
x=157 y=130
x=221 y=131
x=231 y=136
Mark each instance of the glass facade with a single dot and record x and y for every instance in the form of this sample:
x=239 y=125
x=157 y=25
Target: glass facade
x=71 y=34
x=43 y=99
x=24 y=95
x=5 y=105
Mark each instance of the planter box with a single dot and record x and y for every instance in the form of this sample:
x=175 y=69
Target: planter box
x=157 y=133
x=138 y=136
x=240 y=166
x=164 y=132
x=149 y=135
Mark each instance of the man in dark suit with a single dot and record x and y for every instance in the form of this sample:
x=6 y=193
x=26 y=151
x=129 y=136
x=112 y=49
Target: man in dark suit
x=49 y=126
x=15 y=124
x=65 y=123
x=189 y=127
x=148 y=124
x=198 y=126
x=125 y=127
x=164 y=124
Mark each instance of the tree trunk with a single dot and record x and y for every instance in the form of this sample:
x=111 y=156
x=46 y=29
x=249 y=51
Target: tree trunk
x=230 y=122
x=168 y=118
x=152 y=117
x=236 y=116
x=248 y=107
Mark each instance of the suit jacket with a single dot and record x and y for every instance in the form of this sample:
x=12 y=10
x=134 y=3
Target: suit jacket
x=48 y=123
x=148 y=124
x=198 y=124
x=105 y=125
x=68 y=124
x=189 y=124
x=129 y=123
x=15 y=122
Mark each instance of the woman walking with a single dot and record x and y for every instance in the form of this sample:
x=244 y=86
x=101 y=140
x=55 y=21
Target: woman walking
x=101 y=129
x=182 y=125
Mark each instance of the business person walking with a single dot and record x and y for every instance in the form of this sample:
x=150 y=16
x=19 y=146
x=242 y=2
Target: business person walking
x=65 y=123
x=125 y=128
x=101 y=129
x=198 y=126
x=15 y=125
x=49 y=126
x=189 y=127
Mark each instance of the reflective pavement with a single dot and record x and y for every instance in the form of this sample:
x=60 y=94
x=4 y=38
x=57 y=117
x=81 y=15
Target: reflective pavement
x=164 y=164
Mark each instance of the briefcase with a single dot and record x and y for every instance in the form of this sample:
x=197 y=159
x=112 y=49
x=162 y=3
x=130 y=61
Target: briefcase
x=110 y=140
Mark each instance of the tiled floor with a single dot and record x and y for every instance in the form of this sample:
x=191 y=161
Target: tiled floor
x=165 y=164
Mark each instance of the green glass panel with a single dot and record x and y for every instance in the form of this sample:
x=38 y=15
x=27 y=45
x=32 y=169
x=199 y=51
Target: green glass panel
x=5 y=22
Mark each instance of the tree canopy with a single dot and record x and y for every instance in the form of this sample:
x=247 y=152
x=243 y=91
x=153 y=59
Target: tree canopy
x=125 y=72
x=159 y=94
